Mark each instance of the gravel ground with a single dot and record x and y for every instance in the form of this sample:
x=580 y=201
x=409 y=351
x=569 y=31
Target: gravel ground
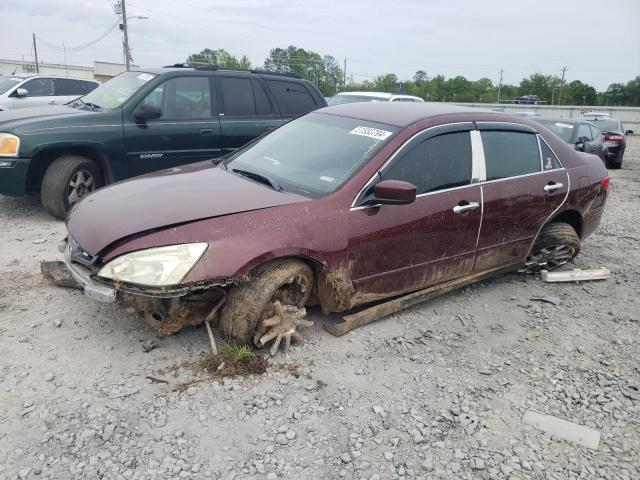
x=438 y=391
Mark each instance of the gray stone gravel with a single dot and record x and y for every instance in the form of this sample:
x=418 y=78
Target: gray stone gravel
x=438 y=391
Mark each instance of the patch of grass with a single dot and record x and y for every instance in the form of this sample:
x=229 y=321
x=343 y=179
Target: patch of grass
x=236 y=353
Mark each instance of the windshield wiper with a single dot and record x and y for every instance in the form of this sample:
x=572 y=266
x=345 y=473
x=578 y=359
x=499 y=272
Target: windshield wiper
x=258 y=178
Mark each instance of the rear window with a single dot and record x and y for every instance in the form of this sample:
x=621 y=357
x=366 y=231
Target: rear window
x=340 y=99
x=293 y=98
x=509 y=154
x=562 y=129
x=608 y=125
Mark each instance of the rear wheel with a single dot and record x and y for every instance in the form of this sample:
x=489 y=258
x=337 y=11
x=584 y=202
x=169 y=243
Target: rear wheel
x=557 y=245
x=253 y=309
x=66 y=181
x=616 y=162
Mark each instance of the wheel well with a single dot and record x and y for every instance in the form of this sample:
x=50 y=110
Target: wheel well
x=41 y=161
x=571 y=217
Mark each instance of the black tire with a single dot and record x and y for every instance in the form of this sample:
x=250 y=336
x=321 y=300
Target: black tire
x=289 y=281
x=616 y=162
x=557 y=245
x=57 y=191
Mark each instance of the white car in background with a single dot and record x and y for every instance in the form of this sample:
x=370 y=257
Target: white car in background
x=24 y=91
x=352 y=97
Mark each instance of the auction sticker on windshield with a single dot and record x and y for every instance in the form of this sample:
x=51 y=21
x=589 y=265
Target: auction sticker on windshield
x=145 y=77
x=371 y=133
x=563 y=125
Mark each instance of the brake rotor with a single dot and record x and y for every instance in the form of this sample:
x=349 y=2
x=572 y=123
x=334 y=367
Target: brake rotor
x=281 y=322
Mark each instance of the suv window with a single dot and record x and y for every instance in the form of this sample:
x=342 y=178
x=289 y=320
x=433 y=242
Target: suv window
x=182 y=98
x=237 y=95
x=435 y=164
x=263 y=104
x=509 y=154
x=88 y=86
x=38 y=87
x=66 y=86
x=292 y=98
x=583 y=131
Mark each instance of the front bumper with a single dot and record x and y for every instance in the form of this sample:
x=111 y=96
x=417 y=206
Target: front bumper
x=82 y=275
x=13 y=178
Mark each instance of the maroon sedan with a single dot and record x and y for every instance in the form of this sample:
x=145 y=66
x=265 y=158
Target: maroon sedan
x=344 y=206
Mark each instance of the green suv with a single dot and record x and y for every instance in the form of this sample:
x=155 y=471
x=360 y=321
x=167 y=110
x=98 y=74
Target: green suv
x=139 y=122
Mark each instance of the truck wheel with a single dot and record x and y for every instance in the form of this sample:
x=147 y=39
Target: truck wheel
x=281 y=282
x=66 y=181
x=558 y=244
x=616 y=163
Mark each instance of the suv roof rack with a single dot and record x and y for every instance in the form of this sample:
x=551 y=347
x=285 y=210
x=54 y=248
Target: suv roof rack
x=194 y=65
x=214 y=67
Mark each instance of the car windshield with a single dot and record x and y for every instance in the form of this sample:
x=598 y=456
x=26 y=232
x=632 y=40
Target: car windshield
x=340 y=99
x=563 y=130
x=7 y=83
x=607 y=125
x=313 y=155
x=115 y=92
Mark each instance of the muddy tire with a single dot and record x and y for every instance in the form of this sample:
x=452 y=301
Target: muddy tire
x=557 y=245
x=289 y=281
x=66 y=181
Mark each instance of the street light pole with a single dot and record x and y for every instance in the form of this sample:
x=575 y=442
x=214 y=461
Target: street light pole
x=127 y=54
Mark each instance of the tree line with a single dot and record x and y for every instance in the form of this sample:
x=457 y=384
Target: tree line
x=325 y=72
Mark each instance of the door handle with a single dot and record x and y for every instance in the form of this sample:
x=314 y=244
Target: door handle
x=465 y=208
x=553 y=186
x=206 y=131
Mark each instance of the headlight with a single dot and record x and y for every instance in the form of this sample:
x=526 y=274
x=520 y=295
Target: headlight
x=156 y=267
x=9 y=145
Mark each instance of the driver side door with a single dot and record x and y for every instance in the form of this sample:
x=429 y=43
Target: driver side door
x=432 y=240
x=187 y=131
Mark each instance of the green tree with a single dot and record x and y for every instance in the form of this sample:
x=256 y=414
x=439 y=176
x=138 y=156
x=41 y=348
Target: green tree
x=323 y=71
x=221 y=58
x=578 y=93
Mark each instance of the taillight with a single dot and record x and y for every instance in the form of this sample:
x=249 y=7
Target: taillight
x=612 y=138
x=605 y=183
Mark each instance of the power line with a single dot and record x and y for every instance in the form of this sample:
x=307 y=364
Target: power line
x=80 y=47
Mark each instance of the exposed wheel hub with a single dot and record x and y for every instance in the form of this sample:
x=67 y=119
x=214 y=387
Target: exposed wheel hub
x=549 y=258
x=283 y=324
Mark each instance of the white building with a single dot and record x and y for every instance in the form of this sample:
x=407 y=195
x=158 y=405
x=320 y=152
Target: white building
x=102 y=71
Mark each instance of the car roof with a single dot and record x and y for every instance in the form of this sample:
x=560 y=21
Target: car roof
x=380 y=95
x=180 y=68
x=399 y=114
x=24 y=76
x=571 y=121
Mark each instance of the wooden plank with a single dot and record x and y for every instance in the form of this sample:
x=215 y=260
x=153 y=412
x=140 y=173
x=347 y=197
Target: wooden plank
x=571 y=432
x=576 y=275
x=400 y=303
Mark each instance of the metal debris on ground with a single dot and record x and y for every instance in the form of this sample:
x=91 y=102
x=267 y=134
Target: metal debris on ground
x=559 y=428
x=576 y=275
x=547 y=299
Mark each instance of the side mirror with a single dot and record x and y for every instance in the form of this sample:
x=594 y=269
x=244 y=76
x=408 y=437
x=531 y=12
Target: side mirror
x=393 y=192
x=22 y=92
x=146 y=112
x=629 y=132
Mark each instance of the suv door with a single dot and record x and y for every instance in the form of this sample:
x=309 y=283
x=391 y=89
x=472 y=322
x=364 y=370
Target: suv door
x=39 y=93
x=431 y=240
x=521 y=190
x=186 y=131
x=67 y=89
x=246 y=111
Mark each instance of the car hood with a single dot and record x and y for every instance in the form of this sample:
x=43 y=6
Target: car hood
x=8 y=116
x=168 y=197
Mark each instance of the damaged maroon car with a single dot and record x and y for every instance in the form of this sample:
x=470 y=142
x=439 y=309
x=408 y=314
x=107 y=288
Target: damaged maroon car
x=345 y=206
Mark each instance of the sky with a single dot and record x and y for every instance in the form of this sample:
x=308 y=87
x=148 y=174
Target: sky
x=598 y=42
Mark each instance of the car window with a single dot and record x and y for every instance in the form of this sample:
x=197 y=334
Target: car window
x=66 y=86
x=263 y=104
x=583 y=131
x=435 y=164
x=237 y=95
x=595 y=133
x=509 y=154
x=116 y=91
x=562 y=129
x=549 y=160
x=182 y=98
x=89 y=86
x=38 y=87
x=340 y=99
x=292 y=98
x=8 y=83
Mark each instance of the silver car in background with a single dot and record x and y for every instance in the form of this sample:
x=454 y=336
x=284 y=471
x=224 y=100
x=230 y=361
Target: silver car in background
x=24 y=91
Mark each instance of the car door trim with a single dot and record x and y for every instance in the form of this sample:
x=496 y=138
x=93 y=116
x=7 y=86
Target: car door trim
x=478 y=166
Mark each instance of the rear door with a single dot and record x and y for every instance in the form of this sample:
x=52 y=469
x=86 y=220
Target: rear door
x=40 y=92
x=187 y=130
x=67 y=89
x=246 y=111
x=433 y=239
x=523 y=185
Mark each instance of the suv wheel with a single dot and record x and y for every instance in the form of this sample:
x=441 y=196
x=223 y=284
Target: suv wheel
x=66 y=181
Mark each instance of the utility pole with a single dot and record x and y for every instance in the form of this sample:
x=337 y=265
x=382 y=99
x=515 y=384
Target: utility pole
x=127 y=53
x=344 y=79
x=499 y=86
x=564 y=69
x=35 y=53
